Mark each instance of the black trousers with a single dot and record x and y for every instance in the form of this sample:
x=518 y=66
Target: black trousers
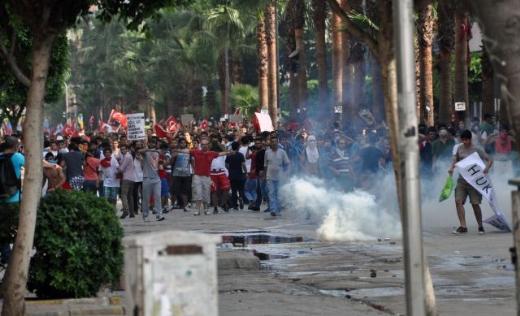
x=237 y=189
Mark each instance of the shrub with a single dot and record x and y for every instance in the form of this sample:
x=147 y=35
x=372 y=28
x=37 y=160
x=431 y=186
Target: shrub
x=78 y=246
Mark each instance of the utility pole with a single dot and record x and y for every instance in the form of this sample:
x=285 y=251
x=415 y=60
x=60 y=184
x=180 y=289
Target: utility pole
x=409 y=154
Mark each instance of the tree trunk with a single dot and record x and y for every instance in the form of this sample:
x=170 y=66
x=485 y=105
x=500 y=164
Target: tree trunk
x=425 y=36
x=319 y=16
x=271 y=25
x=227 y=81
x=18 y=268
x=446 y=33
x=446 y=102
x=488 y=84
x=299 y=25
x=348 y=71
x=461 y=93
x=263 y=63
x=337 y=59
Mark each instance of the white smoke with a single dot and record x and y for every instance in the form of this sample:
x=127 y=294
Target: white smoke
x=343 y=216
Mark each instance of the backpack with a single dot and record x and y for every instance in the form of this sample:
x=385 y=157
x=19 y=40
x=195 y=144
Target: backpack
x=9 y=182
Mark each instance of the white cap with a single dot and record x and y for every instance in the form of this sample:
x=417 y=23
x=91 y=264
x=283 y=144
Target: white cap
x=59 y=137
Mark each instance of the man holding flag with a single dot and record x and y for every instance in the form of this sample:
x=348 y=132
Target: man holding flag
x=465 y=189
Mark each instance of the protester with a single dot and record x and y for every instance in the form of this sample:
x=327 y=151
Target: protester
x=110 y=168
x=464 y=189
x=127 y=169
x=151 y=180
x=72 y=162
x=275 y=163
x=236 y=164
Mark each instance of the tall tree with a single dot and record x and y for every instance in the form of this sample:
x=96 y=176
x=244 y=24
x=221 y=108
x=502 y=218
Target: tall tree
x=271 y=28
x=446 y=38
x=462 y=32
x=299 y=24
x=425 y=26
x=319 y=16
x=488 y=84
x=45 y=20
x=379 y=39
x=263 y=62
x=337 y=56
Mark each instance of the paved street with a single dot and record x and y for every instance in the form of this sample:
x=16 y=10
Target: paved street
x=472 y=274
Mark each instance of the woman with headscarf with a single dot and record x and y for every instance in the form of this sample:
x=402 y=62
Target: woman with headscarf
x=311 y=156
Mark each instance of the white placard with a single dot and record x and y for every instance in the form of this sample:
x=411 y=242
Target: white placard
x=472 y=170
x=234 y=118
x=460 y=106
x=338 y=109
x=136 y=129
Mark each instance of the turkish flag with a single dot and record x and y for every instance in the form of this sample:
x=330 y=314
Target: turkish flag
x=159 y=131
x=172 y=125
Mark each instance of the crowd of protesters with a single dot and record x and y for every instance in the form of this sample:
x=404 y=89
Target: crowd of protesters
x=217 y=168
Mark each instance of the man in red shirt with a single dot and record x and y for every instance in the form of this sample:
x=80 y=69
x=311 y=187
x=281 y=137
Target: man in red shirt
x=201 y=184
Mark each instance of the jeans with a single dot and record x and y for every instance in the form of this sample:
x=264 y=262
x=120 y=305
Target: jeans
x=250 y=190
x=127 y=196
x=5 y=253
x=111 y=194
x=272 y=192
x=152 y=189
x=261 y=192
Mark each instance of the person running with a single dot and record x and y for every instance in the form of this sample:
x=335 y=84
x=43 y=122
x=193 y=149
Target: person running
x=181 y=172
x=275 y=163
x=201 y=182
x=463 y=188
x=236 y=164
x=151 y=180
x=110 y=167
x=127 y=168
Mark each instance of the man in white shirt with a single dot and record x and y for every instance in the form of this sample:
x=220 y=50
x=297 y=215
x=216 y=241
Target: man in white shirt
x=111 y=182
x=275 y=163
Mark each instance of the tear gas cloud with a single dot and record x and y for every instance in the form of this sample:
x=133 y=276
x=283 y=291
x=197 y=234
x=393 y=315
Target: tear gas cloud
x=361 y=215
x=342 y=216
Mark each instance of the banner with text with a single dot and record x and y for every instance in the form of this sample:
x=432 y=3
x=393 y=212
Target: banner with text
x=136 y=129
x=472 y=170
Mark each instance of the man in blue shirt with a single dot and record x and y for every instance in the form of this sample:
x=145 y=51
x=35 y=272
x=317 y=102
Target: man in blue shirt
x=10 y=146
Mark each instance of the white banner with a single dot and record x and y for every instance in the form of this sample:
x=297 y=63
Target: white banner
x=472 y=170
x=264 y=120
x=136 y=129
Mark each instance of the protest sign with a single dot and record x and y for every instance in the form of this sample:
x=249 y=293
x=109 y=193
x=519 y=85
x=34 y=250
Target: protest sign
x=136 y=130
x=187 y=119
x=236 y=118
x=264 y=122
x=472 y=170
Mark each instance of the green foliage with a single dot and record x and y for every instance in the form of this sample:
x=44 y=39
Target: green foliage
x=475 y=68
x=78 y=246
x=245 y=97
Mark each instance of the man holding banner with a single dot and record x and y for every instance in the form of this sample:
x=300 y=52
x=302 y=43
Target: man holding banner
x=466 y=184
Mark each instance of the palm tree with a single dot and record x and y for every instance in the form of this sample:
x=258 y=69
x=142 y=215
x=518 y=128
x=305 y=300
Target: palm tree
x=488 y=84
x=263 y=62
x=462 y=32
x=425 y=25
x=230 y=27
x=337 y=60
x=446 y=40
x=298 y=19
x=319 y=15
x=271 y=25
